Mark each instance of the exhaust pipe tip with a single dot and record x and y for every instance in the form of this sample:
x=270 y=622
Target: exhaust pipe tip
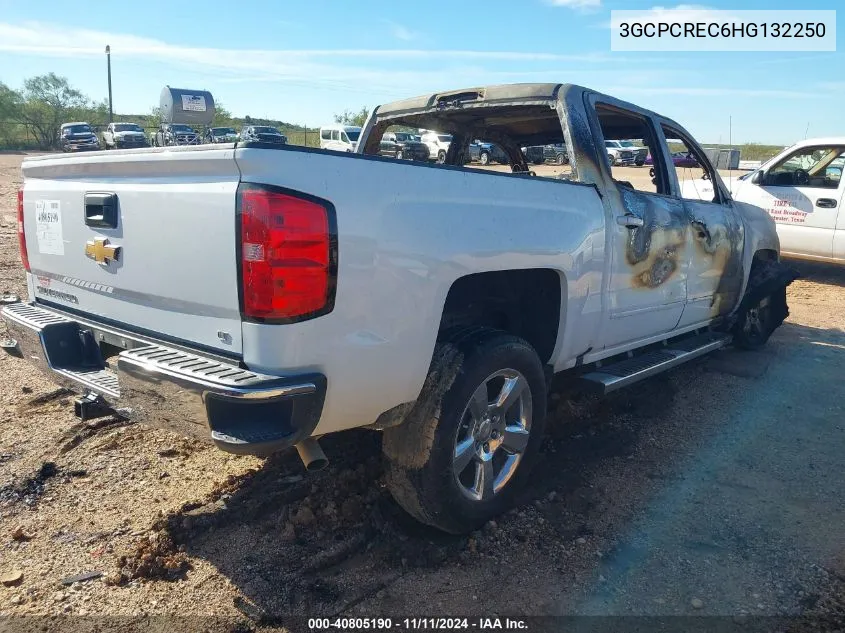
x=312 y=455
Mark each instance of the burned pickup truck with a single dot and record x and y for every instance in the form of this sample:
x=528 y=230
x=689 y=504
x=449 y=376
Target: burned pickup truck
x=262 y=296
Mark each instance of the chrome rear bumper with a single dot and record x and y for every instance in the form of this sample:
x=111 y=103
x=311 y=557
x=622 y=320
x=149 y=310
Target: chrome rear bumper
x=242 y=411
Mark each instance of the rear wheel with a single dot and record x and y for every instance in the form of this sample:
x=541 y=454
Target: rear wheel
x=484 y=158
x=611 y=159
x=467 y=447
x=400 y=155
x=560 y=159
x=441 y=156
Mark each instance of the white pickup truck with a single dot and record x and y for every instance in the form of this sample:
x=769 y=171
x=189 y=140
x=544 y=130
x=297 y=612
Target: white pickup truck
x=803 y=191
x=124 y=136
x=263 y=296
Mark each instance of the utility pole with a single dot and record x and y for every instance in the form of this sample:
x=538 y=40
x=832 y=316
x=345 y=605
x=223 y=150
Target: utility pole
x=730 y=153
x=108 y=65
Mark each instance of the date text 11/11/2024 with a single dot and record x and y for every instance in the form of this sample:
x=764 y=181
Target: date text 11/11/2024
x=416 y=624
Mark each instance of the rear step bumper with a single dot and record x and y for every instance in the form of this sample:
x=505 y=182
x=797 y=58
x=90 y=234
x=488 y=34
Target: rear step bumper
x=241 y=411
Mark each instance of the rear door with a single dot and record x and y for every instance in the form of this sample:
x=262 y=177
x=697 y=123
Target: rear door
x=145 y=241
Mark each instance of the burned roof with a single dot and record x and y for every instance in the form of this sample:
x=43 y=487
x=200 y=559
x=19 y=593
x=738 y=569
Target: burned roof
x=484 y=96
x=524 y=112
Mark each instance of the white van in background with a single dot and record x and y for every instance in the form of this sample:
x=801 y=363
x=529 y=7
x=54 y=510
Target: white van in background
x=341 y=138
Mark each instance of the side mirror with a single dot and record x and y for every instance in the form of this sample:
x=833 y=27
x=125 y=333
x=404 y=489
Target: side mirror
x=757 y=178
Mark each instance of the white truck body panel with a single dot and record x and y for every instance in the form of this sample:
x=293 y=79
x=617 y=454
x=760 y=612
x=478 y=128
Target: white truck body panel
x=405 y=234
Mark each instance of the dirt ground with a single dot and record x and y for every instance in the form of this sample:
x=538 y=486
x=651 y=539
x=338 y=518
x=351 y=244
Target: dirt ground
x=716 y=489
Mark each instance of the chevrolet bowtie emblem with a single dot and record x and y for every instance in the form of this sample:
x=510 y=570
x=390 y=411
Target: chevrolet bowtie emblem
x=99 y=250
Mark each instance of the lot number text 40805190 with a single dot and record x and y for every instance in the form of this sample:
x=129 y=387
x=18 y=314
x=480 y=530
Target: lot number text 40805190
x=417 y=624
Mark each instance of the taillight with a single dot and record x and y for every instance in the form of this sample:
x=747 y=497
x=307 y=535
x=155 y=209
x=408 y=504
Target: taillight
x=288 y=255
x=21 y=234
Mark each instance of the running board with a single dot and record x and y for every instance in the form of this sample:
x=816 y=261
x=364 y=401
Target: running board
x=623 y=373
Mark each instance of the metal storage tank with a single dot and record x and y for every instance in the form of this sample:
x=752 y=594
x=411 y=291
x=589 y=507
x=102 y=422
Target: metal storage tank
x=728 y=159
x=189 y=107
x=723 y=158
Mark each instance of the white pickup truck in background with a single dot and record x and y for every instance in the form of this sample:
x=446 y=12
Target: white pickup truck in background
x=265 y=296
x=803 y=191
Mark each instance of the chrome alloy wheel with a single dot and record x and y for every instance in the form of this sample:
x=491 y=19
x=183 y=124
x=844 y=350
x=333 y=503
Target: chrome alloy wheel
x=492 y=435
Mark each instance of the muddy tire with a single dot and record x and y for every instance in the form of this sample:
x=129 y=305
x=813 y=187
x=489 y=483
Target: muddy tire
x=763 y=309
x=467 y=447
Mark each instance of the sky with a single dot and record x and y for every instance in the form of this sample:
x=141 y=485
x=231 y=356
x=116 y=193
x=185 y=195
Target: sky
x=303 y=62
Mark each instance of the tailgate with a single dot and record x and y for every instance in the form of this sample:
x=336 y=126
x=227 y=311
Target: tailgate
x=163 y=261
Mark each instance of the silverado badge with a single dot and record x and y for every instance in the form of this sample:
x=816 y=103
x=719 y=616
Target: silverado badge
x=99 y=250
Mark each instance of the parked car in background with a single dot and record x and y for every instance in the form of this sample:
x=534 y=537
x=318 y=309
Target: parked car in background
x=679 y=159
x=556 y=153
x=534 y=154
x=175 y=134
x=486 y=153
x=640 y=152
x=220 y=135
x=619 y=155
x=340 y=138
x=802 y=190
x=404 y=146
x=438 y=145
x=77 y=136
x=124 y=135
x=262 y=134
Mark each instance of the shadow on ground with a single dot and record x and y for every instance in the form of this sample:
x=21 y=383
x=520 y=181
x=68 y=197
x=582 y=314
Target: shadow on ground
x=821 y=273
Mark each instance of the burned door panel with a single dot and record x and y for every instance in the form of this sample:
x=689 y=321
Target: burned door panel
x=715 y=270
x=654 y=250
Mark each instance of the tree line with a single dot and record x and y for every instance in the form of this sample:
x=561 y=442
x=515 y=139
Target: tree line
x=30 y=118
